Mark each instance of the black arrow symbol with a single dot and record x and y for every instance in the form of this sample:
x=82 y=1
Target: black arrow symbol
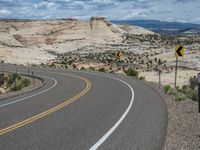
x=179 y=51
x=118 y=54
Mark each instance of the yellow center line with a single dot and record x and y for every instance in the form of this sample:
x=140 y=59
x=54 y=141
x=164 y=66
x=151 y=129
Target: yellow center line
x=49 y=111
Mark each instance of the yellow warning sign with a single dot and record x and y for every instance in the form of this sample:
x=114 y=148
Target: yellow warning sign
x=180 y=51
x=118 y=54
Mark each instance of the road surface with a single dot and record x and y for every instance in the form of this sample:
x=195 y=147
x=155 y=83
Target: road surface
x=83 y=110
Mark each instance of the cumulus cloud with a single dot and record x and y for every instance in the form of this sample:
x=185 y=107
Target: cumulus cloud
x=4 y=12
x=112 y=9
x=44 y=4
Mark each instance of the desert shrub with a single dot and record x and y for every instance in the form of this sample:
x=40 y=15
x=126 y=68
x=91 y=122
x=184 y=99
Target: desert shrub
x=25 y=82
x=167 y=89
x=102 y=70
x=83 y=68
x=192 y=94
x=1 y=79
x=132 y=72
x=193 y=82
x=12 y=78
x=180 y=98
x=172 y=92
x=18 y=77
x=189 y=92
x=141 y=78
x=92 y=69
x=184 y=87
x=16 y=87
x=63 y=62
x=160 y=62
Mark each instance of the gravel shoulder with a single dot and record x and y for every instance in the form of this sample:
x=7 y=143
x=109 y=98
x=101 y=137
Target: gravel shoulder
x=183 y=130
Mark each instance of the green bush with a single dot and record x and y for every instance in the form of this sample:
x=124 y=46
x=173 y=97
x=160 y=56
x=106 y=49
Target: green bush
x=132 y=72
x=1 y=79
x=180 y=98
x=12 y=77
x=167 y=89
x=16 y=88
x=83 y=68
x=192 y=94
x=92 y=69
x=102 y=70
x=141 y=78
x=172 y=92
x=25 y=82
x=189 y=92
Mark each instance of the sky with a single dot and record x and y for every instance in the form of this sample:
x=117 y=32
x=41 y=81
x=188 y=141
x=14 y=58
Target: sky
x=186 y=11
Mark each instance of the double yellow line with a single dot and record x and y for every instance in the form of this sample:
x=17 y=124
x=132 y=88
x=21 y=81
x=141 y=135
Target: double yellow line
x=49 y=111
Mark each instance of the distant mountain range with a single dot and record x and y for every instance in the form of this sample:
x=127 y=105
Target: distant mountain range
x=166 y=28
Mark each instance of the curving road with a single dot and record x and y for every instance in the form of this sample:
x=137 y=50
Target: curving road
x=83 y=110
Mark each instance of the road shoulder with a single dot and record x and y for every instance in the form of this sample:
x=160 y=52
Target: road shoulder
x=183 y=130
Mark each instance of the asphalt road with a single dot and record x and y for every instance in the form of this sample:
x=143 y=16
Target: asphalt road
x=83 y=110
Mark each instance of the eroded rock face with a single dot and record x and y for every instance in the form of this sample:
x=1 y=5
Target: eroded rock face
x=100 y=19
x=8 y=40
x=60 y=36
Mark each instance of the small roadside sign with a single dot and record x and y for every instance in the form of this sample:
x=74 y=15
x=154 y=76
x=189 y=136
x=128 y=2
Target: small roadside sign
x=118 y=54
x=179 y=51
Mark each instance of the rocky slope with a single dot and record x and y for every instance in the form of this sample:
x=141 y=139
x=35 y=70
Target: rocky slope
x=18 y=38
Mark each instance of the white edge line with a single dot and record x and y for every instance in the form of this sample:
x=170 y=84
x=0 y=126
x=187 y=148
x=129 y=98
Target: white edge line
x=106 y=136
x=22 y=99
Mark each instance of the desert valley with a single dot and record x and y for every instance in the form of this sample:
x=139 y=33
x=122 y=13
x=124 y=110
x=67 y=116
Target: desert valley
x=91 y=45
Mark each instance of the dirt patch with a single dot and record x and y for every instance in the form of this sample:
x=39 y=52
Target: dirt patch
x=183 y=131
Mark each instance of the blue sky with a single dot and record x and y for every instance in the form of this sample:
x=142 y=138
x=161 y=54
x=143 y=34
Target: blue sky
x=165 y=10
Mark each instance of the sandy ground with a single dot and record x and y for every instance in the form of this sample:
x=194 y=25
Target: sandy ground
x=190 y=59
x=24 y=56
x=183 y=77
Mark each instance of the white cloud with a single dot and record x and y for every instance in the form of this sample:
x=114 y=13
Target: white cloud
x=44 y=4
x=196 y=19
x=182 y=21
x=164 y=10
x=5 y=12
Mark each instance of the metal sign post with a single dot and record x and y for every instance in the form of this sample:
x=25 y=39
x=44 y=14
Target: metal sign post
x=159 y=72
x=198 y=79
x=176 y=69
x=179 y=52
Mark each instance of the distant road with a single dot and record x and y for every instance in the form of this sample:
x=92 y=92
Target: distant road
x=83 y=110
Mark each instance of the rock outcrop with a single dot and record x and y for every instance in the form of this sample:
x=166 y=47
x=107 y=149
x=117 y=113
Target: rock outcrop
x=40 y=36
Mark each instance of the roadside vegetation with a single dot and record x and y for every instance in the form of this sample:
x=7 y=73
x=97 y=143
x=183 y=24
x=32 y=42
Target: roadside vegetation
x=187 y=91
x=10 y=82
